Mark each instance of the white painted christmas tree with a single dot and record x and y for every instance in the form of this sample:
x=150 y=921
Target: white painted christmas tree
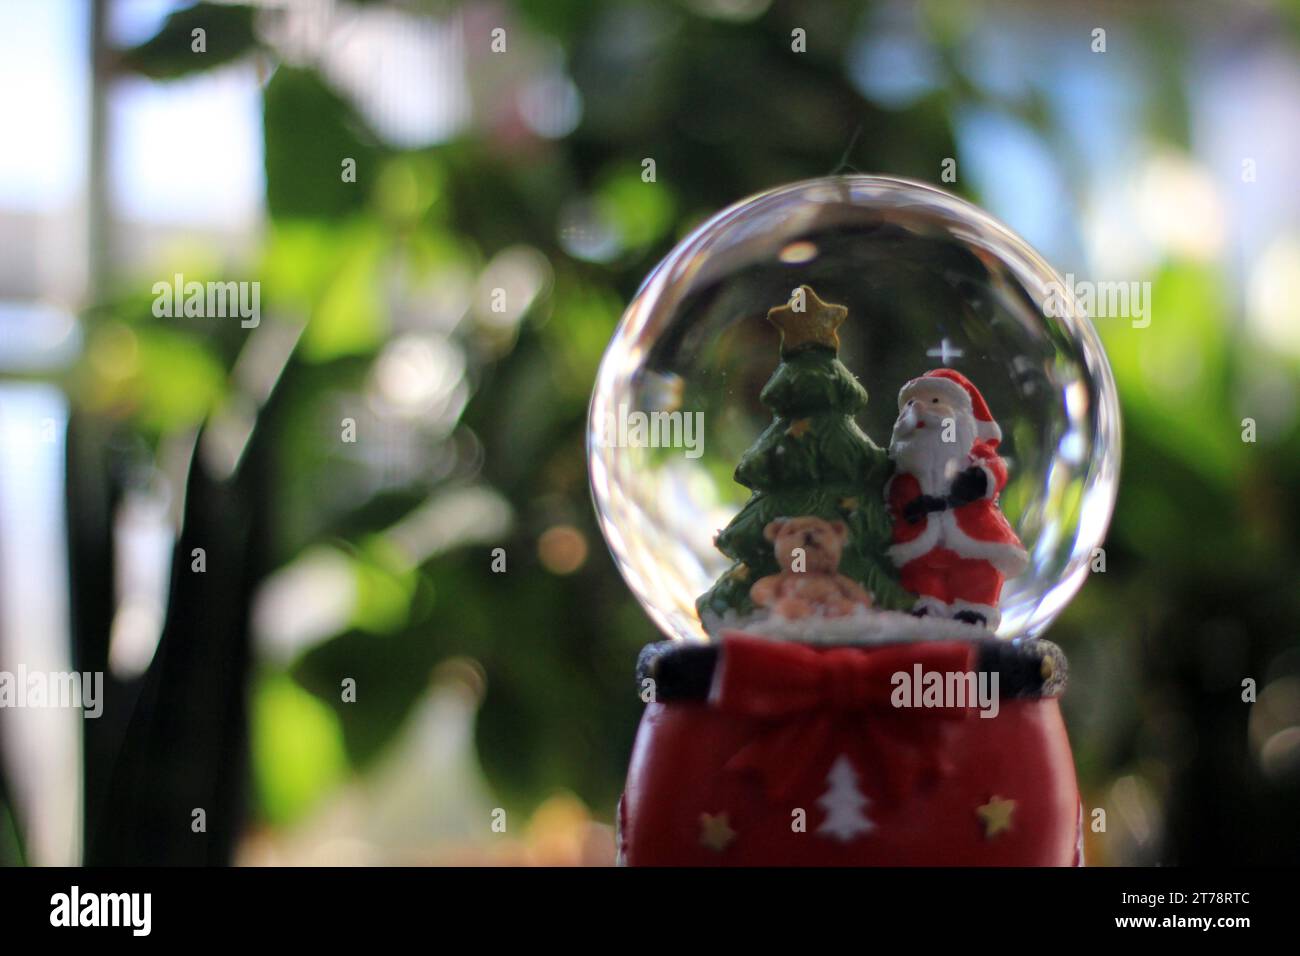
x=843 y=803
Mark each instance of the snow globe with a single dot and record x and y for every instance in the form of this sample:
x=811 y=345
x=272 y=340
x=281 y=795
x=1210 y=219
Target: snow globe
x=853 y=446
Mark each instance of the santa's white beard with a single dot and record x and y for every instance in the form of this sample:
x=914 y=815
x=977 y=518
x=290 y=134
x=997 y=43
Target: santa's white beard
x=922 y=452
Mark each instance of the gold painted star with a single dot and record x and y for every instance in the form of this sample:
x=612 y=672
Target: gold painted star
x=996 y=816
x=806 y=320
x=849 y=504
x=715 y=831
x=799 y=427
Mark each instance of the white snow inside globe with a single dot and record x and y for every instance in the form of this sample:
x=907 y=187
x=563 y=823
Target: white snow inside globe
x=929 y=281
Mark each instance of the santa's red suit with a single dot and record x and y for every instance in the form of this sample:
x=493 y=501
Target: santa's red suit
x=952 y=544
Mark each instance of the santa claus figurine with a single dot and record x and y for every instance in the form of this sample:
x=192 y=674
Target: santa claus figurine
x=952 y=544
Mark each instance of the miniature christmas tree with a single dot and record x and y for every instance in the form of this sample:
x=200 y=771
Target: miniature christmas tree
x=812 y=460
x=843 y=803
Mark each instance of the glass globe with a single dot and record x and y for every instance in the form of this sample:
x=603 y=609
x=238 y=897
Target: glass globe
x=929 y=281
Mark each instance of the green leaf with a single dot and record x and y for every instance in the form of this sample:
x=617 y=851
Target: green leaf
x=299 y=264
x=297 y=745
x=227 y=35
x=351 y=316
x=642 y=212
x=309 y=131
x=385 y=587
x=180 y=381
x=1173 y=373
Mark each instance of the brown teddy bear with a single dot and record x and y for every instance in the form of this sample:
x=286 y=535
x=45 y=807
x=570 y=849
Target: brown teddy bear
x=808 y=550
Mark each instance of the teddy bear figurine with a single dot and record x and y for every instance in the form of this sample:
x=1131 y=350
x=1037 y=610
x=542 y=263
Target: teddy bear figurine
x=808 y=550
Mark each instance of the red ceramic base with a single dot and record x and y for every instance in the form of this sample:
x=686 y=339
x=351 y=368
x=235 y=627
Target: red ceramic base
x=999 y=791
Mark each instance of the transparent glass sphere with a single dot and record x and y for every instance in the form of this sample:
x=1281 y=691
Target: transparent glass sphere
x=929 y=281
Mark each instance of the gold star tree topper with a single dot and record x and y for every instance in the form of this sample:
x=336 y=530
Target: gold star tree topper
x=807 y=320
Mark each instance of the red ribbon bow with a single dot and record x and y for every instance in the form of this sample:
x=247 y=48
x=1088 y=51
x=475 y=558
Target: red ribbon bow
x=816 y=703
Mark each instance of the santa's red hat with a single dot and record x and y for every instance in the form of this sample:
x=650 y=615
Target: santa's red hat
x=963 y=394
